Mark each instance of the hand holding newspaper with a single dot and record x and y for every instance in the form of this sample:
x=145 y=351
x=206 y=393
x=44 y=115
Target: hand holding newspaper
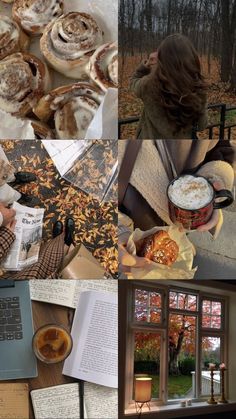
x=28 y=231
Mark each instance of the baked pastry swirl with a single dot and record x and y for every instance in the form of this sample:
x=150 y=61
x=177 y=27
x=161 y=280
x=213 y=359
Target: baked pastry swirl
x=41 y=130
x=103 y=66
x=12 y=38
x=68 y=42
x=34 y=15
x=69 y=109
x=24 y=79
x=159 y=248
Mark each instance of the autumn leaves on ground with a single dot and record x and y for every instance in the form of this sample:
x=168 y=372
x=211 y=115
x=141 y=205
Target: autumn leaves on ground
x=130 y=106
x=95 y=223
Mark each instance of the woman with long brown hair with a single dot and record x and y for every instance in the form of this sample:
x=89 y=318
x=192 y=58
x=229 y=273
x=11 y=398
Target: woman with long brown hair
x=173 y=90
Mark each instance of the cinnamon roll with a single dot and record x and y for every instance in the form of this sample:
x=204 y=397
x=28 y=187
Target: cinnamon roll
x=41 y=130
x=24 y=79
x=7 y=1
x=68 y=42
x=12 y=38
x=159 y=248
x=70 y=109
x=34 y=15
x=103 y=66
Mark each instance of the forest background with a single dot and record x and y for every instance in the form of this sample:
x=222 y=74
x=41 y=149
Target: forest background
x=211 y=26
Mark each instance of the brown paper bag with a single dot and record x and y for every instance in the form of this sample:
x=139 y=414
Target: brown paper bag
x=79 y=263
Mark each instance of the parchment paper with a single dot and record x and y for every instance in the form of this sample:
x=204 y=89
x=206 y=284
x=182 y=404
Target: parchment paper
x=181 y=269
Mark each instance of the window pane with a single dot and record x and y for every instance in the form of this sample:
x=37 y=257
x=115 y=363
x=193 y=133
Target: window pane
x=216 y=308
x=155 y=299
x=216 y=322
x=141 y=314
x=206 y=306
x=206 y=321
x=155 y=315
x=211 y=354
x=147 y=306
x=212 y=312
x=182 y=301
x=141 y=297
x=173 y=299
x=147 y=348
x=182 y=348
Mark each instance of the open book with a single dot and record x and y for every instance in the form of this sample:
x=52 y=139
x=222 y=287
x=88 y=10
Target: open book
x=67 y=292
x=63 y=402
x=94 y=356
x=28 y=232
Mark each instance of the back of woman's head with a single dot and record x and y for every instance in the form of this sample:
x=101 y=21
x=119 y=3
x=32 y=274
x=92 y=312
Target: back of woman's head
x=180 y=85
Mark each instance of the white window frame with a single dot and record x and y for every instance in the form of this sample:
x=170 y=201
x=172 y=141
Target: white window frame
x=162 y=329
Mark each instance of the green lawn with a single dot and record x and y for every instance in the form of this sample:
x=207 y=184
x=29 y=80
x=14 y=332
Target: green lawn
x=178 y=386
x=231 y=117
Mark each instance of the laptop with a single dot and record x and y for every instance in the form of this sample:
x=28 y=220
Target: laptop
x=17 y=359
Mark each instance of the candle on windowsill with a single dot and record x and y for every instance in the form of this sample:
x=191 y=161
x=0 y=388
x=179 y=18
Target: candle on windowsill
x=222 y=366
x=143 y=389
x=212 y=366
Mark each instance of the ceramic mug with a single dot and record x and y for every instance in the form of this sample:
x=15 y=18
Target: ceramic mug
x=194 y=218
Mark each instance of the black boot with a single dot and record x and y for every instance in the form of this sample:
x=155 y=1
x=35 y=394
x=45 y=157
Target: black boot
x=27 y=200
x=57 y=229
x=69 y=231
x=24 y=177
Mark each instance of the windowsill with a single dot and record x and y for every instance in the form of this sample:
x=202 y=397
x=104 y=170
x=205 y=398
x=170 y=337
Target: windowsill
x=175 y=411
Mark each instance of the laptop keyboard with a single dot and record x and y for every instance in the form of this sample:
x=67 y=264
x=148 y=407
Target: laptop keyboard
x=10 y=319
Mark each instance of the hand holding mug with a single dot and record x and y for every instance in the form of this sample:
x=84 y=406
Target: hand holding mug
x=194 y=202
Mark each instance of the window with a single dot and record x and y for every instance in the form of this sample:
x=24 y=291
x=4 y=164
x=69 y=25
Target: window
x=148 y=306
x=173 y=335
x=211 y=314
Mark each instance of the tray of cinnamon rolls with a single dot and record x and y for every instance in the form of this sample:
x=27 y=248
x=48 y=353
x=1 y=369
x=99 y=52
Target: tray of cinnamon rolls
x=58 y=68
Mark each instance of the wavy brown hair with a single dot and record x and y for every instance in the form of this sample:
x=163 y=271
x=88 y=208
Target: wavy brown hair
x=180 y=86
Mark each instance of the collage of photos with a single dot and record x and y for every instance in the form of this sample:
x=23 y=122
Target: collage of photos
x=117 y=209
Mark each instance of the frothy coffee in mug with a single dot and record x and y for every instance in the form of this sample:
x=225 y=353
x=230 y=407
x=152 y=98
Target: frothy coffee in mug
x=190 y=192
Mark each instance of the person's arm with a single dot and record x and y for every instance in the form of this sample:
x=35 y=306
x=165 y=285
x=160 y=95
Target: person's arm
x=222 y=151
x=139 y=80
x=203 y=119
x=7 y=237
x=217 y=164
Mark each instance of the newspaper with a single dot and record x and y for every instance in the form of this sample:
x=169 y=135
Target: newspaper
x=28 y=231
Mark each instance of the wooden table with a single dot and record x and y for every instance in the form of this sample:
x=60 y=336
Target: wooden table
x=48 y=375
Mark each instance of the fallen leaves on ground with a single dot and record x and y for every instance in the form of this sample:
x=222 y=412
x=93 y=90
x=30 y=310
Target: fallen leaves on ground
x=96 y=225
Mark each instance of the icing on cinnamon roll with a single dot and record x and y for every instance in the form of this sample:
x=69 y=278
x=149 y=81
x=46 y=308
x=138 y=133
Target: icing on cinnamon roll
x=68 y=42
x=12 y=38
x=34 y=15
x=70 y=109
x=104 y=66
x=24 y=79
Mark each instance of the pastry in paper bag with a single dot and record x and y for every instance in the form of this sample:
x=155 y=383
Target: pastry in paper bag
x=182 y=268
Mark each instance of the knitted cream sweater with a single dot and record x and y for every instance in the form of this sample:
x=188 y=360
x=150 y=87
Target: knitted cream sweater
x=150 y=179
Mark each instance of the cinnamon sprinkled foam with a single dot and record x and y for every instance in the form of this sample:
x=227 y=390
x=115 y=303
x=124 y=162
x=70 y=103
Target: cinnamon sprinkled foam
x=190 y=192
